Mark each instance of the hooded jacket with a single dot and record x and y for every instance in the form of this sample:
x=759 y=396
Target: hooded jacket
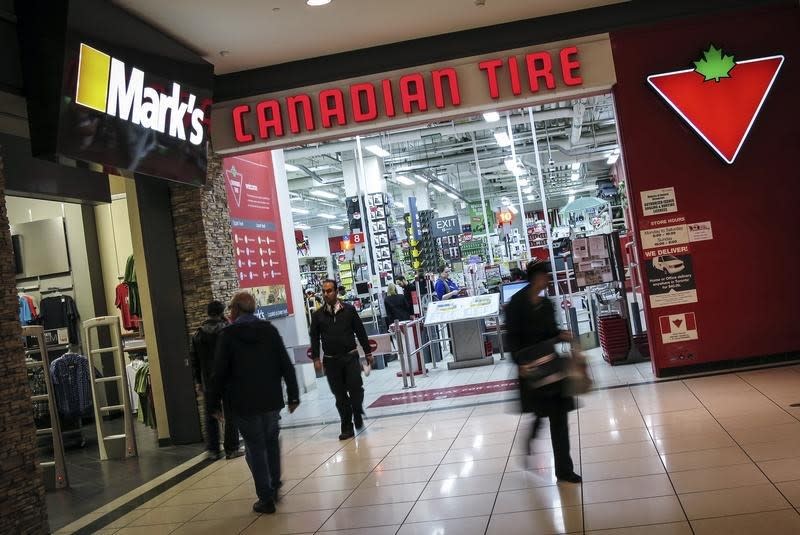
x=204 y=343
x=250 y=362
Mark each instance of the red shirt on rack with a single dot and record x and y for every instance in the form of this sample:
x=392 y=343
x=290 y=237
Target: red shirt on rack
x=129 y=322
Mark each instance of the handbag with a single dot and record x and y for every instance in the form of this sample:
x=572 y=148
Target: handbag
x=578 y=379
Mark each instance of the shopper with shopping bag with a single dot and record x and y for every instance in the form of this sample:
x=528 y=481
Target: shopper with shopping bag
x=533 y=334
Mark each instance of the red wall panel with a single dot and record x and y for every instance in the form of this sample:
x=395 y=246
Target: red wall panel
x=747 y=277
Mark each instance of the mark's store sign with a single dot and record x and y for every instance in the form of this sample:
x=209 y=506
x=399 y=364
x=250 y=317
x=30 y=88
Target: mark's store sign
x=549 y=72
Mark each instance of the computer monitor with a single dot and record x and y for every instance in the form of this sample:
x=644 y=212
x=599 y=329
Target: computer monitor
x=508 y=289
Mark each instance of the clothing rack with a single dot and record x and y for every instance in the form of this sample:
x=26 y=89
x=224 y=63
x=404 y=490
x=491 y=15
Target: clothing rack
x=55 y=471
x=122 y=445
x=54 y=289
x=28 y=288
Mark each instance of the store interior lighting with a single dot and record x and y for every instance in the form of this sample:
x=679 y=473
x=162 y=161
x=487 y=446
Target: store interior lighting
x=612 y=159
x=377 y=150
x=491 y=116
x=301 y=211
x=291 y=168
x=336 y=227
x=301 y=226
x=398 y=204
x=404 y=180
x=317 y=3
x=422 y=178
x=575 y=175
x=576 y=166
x=452 y=196
x=502 y=139
x=531 y=197
x=327 y=216
x=322 y=194
x=439 y=188
x=320 y=168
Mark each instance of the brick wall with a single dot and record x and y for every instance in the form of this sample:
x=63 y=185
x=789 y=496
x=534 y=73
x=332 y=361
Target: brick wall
x=205 y=248
x=22 y=502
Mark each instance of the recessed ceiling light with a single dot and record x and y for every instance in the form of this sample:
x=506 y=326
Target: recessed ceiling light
x=529 y=189
x=317 y=3
x=322 y=194
x=404 y=180
x=502 y=139
x=576 y=166
x=336 y=227
x=575 y=175
x=290 y=167
x=491 y=116
x=327 y=216
x=523 y=182
x=319 y=168
x=377 y=150
x=301 y=211
x=531 y=197
x=302 y=226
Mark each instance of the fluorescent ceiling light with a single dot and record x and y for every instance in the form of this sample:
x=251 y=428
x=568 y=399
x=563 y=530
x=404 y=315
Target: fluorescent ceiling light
x=531 y=197
x=491 y=116
x=319 y=168
x=404 y=180
x=302 y=226
x=301 y=211
x=512 y=209
x=377 y=150
x=327 y=216
x=571 y=199
x=452 y=195
x=502 y=139
x=422 y=178
x=336 y=227
x=317 y=3
x=576 y=166
x=612 y=159
x=575 y=176
x=523 y=182
x=528 y=190
x=290 y=167
x=322 y=194
x=439 y=188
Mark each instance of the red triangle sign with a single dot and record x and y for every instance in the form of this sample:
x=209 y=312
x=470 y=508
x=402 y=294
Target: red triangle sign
x=720 y=99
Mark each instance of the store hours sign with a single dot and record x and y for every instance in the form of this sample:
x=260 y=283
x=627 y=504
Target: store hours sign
x=257 y=233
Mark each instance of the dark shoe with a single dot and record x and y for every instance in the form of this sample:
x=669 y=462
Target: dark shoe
x=359 y=422
x=234 y=454
x=264 y=508
x=215 y=455
x=276 y=496
x=347 y=434
x=570 y=478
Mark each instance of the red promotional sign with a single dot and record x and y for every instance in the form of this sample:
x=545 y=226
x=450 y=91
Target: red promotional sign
x=720 y=98
x=257 y=232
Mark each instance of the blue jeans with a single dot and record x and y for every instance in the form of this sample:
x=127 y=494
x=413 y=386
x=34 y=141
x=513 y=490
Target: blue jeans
x=262 y=450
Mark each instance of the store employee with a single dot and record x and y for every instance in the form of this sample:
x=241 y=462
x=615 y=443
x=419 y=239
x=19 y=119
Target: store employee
x=446 y=288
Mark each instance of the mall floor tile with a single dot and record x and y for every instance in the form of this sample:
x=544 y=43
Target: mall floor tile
x=657 y=459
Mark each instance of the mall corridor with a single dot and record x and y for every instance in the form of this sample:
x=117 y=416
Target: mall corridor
x=709 y=455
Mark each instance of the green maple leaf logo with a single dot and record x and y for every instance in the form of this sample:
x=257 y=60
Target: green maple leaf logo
x=715 y=64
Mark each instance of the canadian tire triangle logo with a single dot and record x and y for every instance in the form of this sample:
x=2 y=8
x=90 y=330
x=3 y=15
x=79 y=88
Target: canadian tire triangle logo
x=236 y=182
x=720 y=98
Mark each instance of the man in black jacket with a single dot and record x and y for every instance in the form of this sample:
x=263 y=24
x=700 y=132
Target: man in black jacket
x=250 y=362
x=337 y=324
x=203 y=345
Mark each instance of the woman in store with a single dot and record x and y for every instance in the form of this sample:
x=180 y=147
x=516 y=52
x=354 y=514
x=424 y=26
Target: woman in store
x=532 y=335
x=445 y=288
x=396 y=306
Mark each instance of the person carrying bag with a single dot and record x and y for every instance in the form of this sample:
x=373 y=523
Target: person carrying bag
x=543 y=374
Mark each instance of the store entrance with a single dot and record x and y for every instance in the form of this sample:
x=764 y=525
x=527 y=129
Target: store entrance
x=73 y=263
x=476 y=198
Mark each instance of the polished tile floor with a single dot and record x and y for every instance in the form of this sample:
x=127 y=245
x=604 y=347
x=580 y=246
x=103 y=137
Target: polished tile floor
x=318 y=406
x=711 y=455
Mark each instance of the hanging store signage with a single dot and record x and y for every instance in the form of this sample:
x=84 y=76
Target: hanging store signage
x=257 y=233
x=445 y=226
x=550 y=72
x=720 y=98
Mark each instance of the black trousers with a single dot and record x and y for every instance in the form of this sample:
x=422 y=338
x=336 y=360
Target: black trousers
x=559 y=436
x=231 y=440
x=344 y=378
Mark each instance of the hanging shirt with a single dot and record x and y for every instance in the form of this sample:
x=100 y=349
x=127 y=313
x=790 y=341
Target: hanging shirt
x=59 y=312
x=129 y=321
x=131 y=370
x=25 y=312
x=71 y=377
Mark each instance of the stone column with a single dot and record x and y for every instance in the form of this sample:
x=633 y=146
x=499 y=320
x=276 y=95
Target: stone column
x=23 y=504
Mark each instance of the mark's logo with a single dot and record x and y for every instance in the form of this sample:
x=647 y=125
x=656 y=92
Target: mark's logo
x=103 y=86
